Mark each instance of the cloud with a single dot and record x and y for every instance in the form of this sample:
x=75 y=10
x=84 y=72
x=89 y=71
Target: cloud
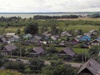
x=49 y=5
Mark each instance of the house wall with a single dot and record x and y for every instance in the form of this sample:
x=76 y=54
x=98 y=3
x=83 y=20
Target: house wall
x=73 y=42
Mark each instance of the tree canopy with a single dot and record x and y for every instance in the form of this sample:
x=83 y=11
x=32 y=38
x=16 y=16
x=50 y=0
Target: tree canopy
x=32 y=28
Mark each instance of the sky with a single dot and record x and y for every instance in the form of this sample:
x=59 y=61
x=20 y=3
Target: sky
x=49 y=5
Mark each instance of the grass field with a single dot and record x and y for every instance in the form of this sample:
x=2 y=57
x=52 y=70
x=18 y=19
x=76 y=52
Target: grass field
x=77 y=50
x=88 y=19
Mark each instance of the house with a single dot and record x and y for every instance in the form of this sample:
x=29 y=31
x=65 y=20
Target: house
x=14 y=38
x=38 y=51
x=94 y=42
x=79 y=36
x=93 y=32
x=91 y=67
x=26 y=42
x=76 y=31
x=27 y=36
x=38 y=38
x=85 y=38
x=34 y=40
x=10 y=34
x=2 y=39
x=53 y=38
x=67 y=52
x=8 y=49
x=74 y=41
x=87 y=34
x=65 y=33
x=99 y=54
x=46 y=34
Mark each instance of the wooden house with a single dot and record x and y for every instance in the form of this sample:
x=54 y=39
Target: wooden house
x=67 y=52
x=38 y=51
x=95 y=42
x=8 y=49
x=91 y=67
x=74 y=41
x=10 y=34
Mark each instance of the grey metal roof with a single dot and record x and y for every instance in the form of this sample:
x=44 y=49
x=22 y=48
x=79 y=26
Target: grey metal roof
x=10 y=47
x=69 y=51
x=3 y=40
x=38 y=50
x=1 y=36
x=91 y=65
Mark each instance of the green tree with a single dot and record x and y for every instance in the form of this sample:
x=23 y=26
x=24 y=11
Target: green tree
x=36 y=65
x=52 y=49
x=32 y=28
x=18 y=31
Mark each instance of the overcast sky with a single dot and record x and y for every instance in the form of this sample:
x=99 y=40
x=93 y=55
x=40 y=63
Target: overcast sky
x=49 y=5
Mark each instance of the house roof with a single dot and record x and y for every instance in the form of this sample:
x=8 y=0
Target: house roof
x=3 y=40
x=16 y=36
x=10 y=33
x=91 y=65
x=10 y=47
x=65 y=33
x=46 y=34
x=37 y=37
x=75 y=39
x=27 y=36
x=69 y=51
x=52 y=37
x=38 y=50
x=94 y=41
x=1 y=36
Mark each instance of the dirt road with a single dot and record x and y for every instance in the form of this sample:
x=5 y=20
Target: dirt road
x=48 y=63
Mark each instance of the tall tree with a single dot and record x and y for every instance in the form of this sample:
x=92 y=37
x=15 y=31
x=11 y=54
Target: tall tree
x=32 y=28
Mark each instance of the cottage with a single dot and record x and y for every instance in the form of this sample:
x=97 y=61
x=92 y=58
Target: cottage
x=94 y=42
x=2 y=39
x=67 y=52
x=99 y=54
x=91 y=67
x=8 y=49
x=27 y=36
x=74 y=41
x=65 y=33
x=10 y=34
x=14 y=38
x=85 y=38
x=93 y=32
x=38 y=51
x=53 y=38
x=38 y=38
x=46 y=34
x=87 y=34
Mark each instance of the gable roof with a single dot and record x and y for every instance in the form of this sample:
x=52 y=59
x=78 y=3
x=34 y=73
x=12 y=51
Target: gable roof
x=1 y=36
x=52 y=37
x=65 y=33
x=16 y=36
x=10 y=33
x=3 y=40
x=91 y=65
x=10 y=47
x=38 y=50
x=74 y=39
x=69 y=51
x=95 y=40
x=37 y=37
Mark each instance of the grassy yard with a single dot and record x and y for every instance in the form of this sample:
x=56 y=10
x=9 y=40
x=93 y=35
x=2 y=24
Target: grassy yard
x=77 y=50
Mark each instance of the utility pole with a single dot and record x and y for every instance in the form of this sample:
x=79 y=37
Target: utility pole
x=20 y=51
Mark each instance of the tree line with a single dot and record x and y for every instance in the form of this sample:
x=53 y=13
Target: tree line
x=55 y=17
